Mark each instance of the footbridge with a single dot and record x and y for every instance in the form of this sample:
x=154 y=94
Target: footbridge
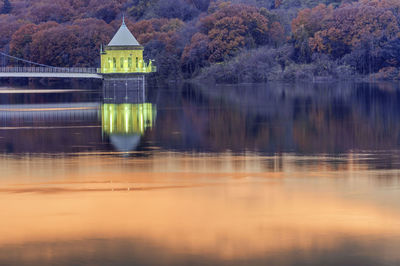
x=22 y=68
x=49 y=72
x=122 y=58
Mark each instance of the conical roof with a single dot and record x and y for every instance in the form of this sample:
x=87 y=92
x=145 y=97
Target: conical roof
x=123 y=37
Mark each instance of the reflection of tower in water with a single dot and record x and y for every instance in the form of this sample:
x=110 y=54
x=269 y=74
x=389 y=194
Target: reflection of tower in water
x=126 y=116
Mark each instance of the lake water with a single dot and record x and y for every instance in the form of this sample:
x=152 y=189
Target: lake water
x=276 y=174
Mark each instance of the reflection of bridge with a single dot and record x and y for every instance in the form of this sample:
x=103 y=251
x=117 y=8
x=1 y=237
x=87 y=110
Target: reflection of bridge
x=124 y=117
x=49 y=72
x=26 y=112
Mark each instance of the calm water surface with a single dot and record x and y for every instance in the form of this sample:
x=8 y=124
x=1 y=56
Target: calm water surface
x=277 y=174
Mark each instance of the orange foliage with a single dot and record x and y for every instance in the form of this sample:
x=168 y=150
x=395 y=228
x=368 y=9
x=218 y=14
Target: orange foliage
x=277 y=32
x=199 y=41
x=47 y=10
x=277 y=3
x=61 y=45
x=388 y=73
x=8 y=25
x=196 y=53
x=226 y=37
x=338 y=31
x=233 y=26
x=163 y=30
x=22 y=38
x=309 y=21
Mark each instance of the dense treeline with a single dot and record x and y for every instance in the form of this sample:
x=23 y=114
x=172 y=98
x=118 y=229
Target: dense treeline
x=235 y=41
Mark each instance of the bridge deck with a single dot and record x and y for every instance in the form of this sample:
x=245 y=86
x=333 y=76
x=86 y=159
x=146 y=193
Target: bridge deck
x=47 y=72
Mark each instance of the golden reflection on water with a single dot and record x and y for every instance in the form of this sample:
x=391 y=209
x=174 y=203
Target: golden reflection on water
x=127 y=118
x=228 y=207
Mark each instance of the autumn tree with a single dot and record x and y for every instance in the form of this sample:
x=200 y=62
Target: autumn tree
x=163 y=30
x=6 y=9
x=50 y=10
x=390 y=53
x=8 y=25
x=92 y=34
x=195 y=55
x=138 y=8
x=354 y=32
x=106 y=10
x=305 y=25
x=200 y=4
x=354 y=24
x=277 y=3
x=64 y=45
x=231 y=27
x=181 y=9
x=160 y=36
x=22 y=38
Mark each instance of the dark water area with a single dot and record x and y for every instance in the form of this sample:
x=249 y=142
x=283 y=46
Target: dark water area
x=264 y=119
x=254 y=174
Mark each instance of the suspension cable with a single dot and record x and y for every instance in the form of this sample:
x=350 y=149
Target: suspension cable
x=26 y=61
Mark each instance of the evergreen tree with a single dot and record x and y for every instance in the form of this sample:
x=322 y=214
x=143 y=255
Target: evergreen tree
x=6 y=7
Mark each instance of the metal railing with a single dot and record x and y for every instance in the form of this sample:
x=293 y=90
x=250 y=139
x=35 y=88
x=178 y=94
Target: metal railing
x=49 y=70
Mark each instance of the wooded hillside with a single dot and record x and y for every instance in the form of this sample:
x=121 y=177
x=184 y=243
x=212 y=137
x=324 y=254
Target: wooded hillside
x=235 y=41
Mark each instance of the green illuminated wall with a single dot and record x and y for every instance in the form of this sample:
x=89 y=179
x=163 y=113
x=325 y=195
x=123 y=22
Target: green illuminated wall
x=127 y=118
x=124 y=60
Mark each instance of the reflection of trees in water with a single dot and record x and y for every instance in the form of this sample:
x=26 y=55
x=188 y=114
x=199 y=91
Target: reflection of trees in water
x=51 y=140
x=222 y=129
x=312 y=119
x=273 y=118
x=42 y=97
x=366 y=120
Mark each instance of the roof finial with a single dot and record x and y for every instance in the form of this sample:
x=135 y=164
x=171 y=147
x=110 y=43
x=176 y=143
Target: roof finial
x=123 y=19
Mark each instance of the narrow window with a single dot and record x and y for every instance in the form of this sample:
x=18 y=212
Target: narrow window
x=129 y=62
x=114 y=62
x=137 y=62
x=121 y=62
